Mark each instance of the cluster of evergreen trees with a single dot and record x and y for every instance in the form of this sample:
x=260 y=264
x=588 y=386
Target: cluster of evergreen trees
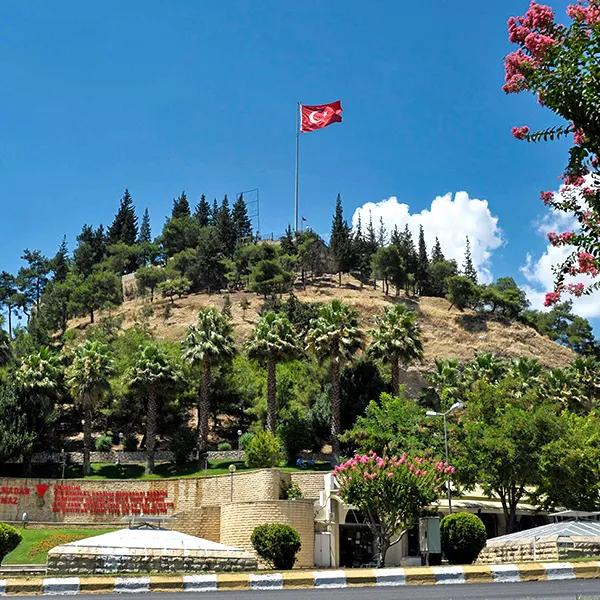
x=213 y=247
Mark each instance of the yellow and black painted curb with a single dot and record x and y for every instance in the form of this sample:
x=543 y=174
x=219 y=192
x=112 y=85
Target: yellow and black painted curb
x=302 y=579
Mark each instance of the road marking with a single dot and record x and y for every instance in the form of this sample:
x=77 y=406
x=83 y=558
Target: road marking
x=446 y=575
x=199 y=583
x=505 y=573
x=268 y=581
x=559 y=570
x=330 y=579
x=390 y=577
x=132 y=585
x=54 y=586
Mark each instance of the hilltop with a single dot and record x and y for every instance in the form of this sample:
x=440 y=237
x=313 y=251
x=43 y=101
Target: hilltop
x=447 y=332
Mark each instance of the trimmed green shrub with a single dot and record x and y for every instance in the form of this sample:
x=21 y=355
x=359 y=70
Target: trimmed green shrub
x=245 y=439
x=463 y=537
x=104 y=442
x=264 y=451
x=182 y=444
x=224 y=447
x=10 y=538
x=277 y=544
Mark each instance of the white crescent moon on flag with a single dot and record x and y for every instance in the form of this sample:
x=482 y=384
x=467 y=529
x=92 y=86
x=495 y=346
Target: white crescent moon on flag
x=317 y=117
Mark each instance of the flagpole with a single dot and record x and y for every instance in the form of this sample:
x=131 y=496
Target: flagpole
x=297 y=168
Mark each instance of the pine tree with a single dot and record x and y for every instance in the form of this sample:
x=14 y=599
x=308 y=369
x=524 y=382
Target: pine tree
x=124 y=227
x=371 y=238
x=224 y=227
x=423 y=274
x=241 y=222
x=214 y=213
x=340 y=241
x=408 y=255
x=145 y=236
x=381 y=234
x=437 y=254
x=360 y=252
x=181 y=207
x=468 y=268
x=60 y=262
x=288 y=245
x=202 y=212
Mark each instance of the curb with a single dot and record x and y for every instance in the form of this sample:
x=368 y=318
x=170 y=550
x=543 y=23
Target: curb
x=443 y=575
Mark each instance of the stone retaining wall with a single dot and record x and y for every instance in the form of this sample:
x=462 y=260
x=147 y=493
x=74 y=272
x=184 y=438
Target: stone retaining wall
x=239 y=520
x=544 y=551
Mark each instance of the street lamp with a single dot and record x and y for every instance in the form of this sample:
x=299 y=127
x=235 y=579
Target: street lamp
x=431 y=413
x=231 y=471
x=239 y=434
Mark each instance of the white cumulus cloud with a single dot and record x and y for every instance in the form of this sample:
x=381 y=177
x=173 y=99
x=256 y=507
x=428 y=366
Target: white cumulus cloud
x=449 y=218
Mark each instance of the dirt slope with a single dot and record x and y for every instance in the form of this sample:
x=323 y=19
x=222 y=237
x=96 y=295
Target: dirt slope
x=447 y=333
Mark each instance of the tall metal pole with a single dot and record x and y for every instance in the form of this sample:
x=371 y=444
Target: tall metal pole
x=297 y=168
x=447 y=462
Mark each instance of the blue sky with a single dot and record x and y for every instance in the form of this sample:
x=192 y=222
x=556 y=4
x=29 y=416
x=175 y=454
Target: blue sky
x=162 y=96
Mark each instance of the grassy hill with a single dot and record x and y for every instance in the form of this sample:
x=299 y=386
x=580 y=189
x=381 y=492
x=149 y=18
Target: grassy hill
x=447 y=332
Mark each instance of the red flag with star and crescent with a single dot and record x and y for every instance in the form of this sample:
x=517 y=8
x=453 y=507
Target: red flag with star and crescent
x=319 y=115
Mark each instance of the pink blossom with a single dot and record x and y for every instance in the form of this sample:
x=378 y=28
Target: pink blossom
x=402 y=459
x=551 y=298
x=547 y=197
x=439 y=467
x=538 y=44
x=516 y=65
x=390 y=474
x=449 y=470
x=520 y=133
x=576 y=289
x=579 y=136
x=577 y=12
x=559 y=239
x=539 y=16
x=587 y=263
x=516 y=31
x=575 y=179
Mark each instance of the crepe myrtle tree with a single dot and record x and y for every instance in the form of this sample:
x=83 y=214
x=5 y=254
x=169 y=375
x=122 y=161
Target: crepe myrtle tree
x=560 y=65
x=391 y=491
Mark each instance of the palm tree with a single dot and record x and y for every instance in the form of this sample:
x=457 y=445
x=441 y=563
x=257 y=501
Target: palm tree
x=273 y=341
x=87 y=378
x=38 y=383
x=153 y=374
x=447 y=381
x=397 y=340
x=486 y=366
x=208 y=343
x=335 y=335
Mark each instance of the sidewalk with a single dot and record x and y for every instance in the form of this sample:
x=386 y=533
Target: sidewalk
x=303 y=579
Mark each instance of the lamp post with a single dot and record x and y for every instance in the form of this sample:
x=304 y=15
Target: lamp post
x=431 y=413
x=231 y=472
x=239 y=434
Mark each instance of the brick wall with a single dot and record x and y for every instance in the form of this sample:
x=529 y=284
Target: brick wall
x=309 y=483
x=238 y=521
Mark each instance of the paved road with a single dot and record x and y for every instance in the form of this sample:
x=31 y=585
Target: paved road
x=540 y=590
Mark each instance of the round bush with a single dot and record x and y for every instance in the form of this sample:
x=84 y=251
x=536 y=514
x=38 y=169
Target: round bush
x=104 y=443
x=277 y=544
x=463 y=537
x=224 y=447
x=264 y=451
x=10 y=538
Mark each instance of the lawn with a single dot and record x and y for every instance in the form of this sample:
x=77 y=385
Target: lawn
x=162 y=471
x=33 y=549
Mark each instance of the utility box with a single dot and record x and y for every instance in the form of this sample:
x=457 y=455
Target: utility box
x=430 y=543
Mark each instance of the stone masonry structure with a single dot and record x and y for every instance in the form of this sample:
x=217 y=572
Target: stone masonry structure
x=223 y=509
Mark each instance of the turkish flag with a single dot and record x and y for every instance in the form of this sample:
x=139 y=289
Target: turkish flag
x=320 y=115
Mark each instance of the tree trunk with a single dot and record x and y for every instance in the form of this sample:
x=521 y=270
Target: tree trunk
x=204 y=409
x=91 y=315
x=271 y=395
x=151 y=432
x=10 y=321
x=395 y=364
x=340 y=278
x=335 y=408
x=87 y=434
x=382 y=545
